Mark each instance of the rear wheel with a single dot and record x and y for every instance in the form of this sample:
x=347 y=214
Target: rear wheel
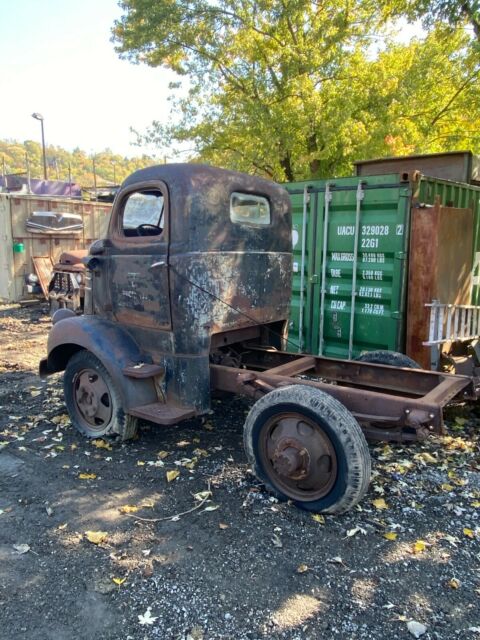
x=305 y=446
x=392 y=358
x=93 y=400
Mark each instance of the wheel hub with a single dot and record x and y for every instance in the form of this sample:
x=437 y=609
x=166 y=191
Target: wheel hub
x=291 y=459
x=92 y=398
x=298 y=456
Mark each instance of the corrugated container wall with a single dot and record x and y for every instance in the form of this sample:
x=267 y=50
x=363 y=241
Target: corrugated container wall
x=14 y=211
x=364 y=250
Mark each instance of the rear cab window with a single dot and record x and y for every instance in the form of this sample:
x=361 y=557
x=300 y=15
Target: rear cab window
x=249 y=209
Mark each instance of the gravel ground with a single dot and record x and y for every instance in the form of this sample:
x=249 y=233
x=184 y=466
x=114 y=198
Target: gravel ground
x=93 y=543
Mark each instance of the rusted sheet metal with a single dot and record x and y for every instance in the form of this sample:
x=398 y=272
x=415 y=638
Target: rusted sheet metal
x=435 y=271
x=411 y=412
x=460 y=166
x=43 y=269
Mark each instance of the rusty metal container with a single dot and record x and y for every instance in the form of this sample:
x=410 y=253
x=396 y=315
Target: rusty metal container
x=457 y=166
x=440 y=268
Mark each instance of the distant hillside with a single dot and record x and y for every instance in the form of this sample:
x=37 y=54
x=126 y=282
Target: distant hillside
x=109 y=167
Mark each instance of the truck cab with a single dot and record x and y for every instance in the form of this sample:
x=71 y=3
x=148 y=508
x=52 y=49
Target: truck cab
x=197 y=261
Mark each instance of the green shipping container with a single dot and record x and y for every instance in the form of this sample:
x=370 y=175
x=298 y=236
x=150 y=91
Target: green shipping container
x=350 y=272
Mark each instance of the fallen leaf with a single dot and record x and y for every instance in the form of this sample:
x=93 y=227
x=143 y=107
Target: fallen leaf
x=162 y=454
x=469 y=532
x=140 y=463
x=212 y=507
x=183 y=443
x=102 y=444
x=454 y=583
x=353 y=532
x=21 y=548
x=119 y=581
x=380 y=504
x=475 y=504
x=419 y=546
x=336 y=560
x=87 y=476
x=63 y=526
x=318 y=518
x=171 y=475
x=222 y=525
x=425 y=457
x=302 y=568
x=147 y=618
x=96 y=537
x=128 y=508
x=417 y=629
x=202 y=495
x=390 y=535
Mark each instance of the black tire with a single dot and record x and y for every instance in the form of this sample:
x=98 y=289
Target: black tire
x=332 y=425
x=109 y=419
x=391 y=358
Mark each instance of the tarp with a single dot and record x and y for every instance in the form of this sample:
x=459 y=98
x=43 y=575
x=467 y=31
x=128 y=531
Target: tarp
x=41 y=187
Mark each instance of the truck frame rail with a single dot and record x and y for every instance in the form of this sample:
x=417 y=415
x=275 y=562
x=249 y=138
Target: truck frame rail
x=389 y=403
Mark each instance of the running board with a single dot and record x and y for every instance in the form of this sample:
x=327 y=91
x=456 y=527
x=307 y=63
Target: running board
x=162 y=414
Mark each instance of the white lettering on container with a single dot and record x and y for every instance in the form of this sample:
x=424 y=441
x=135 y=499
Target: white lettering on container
x=373 y=309
x=342 y=257
x=369 y=243
x=370 y=292
x=334 y=289
x=336 y=273
x=371 y=274
x=375 y=229
x=346 y=230
x=373 y=257
x=339 y=305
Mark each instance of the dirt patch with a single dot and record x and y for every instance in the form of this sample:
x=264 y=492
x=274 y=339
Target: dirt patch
x=240 y=566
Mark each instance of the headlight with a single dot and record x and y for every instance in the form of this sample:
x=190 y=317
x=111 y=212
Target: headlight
x=32 y=278
x=79 y=277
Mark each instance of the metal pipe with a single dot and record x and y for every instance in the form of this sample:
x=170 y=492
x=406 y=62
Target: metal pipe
x=328 y=197
x=302 y=269
x=360 y=195
x=38 y=116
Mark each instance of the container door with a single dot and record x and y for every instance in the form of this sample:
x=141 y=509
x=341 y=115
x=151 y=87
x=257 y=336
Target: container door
x=355 y=266
x=462 y=196
x=304 y=279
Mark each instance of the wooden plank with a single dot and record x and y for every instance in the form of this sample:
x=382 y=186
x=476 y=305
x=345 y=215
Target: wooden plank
x=43 y=268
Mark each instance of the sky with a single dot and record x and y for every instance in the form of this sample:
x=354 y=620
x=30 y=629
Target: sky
x=57 y=60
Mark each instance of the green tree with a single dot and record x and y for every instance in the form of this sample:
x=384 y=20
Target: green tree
x=293 y=89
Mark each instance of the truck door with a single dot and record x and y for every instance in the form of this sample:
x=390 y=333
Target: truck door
x=138 y=264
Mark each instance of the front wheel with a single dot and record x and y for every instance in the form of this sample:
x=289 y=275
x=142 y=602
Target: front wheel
x=93 y=400
x=305 y=446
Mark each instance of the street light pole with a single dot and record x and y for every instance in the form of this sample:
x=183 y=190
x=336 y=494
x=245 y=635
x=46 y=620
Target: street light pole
x=38 y=116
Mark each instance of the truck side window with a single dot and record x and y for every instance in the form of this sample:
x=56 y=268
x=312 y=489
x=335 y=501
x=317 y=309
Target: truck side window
x=143 y=214
x=249 y=209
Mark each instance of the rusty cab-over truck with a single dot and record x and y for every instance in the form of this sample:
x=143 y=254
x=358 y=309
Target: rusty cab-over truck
x=188 y=294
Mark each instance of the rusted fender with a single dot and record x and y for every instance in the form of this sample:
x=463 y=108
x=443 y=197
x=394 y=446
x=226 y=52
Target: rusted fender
x=110 y=343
